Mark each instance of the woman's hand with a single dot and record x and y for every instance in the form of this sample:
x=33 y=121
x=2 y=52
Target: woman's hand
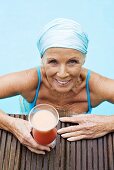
x=89 y=127
x=22 y=130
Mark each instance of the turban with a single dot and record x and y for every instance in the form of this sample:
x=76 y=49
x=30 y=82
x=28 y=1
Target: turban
x=64 y=33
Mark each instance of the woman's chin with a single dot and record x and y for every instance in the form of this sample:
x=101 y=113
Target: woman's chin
x=62 y=89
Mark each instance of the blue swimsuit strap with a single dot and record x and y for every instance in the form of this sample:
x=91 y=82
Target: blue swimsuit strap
x=88 y=92
x=38 y=88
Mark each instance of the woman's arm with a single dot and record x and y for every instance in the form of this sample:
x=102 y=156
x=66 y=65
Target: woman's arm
x=92 y=126
x=22 y=130
x=23 y=82
x=5 y=121
x=101 y=89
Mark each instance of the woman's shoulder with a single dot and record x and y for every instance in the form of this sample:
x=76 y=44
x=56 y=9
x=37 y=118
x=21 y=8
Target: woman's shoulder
x=19 y=82
x=30 y=77
x=98 y=86
x=94 y=80
x=93 y=75
x=29 y=82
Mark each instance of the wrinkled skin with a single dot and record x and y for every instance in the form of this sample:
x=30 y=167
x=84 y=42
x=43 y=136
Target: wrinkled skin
x=89 y=127
x=22 y=131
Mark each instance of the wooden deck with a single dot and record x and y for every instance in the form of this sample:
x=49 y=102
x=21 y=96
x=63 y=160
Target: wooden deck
x=97 y=154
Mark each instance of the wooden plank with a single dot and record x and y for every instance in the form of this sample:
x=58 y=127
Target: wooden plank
x=0 y=134
x=18 y=151
x=63 y=151
x=68 y=155
x=23 y=158
x=12 y=153
x=73 y=156
x=52 y=158
x=17 y=156
x=84 y=155
x=78 y=155
x=110 y=152
x=95 y=154
x=24 y=152
x=39 y=164
x=7 y=151
x=100 y=153
x=33 y=161
x=113 y=140
x=57 y=157
x=90 y=154
x=45 y=161
x=2 y=148
x=28 y=159
x=105 y=153
x=68 y=151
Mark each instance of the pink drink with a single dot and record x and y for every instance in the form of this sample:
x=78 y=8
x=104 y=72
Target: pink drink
x=44 y=122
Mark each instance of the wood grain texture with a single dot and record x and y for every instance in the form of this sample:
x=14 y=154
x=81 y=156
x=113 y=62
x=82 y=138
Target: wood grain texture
x=97 y=154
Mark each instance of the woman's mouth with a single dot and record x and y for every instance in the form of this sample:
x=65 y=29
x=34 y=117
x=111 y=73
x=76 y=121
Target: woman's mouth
x=62 y=83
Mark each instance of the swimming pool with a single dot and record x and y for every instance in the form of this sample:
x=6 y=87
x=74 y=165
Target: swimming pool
x=19 y=30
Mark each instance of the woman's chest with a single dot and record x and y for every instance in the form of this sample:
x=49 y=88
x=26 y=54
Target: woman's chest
x=66 y=105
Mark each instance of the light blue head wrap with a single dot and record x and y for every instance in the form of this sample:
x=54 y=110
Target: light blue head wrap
x=64 y=33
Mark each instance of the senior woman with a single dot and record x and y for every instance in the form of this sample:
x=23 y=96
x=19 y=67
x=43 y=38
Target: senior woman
x=63 y=82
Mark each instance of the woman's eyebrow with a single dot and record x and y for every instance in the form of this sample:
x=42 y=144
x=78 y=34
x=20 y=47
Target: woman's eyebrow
x=76 y=58
x=51 y=58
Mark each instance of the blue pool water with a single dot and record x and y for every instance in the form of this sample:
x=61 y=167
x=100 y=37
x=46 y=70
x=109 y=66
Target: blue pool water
x=20 y=22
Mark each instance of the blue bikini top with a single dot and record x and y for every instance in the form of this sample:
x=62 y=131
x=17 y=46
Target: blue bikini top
x=25 y=106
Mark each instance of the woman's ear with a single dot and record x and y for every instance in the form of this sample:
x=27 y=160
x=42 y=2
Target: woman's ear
x=84 y=57
x=43 y=60
x=84 y=61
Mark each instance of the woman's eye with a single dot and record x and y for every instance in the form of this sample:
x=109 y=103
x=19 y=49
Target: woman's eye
x=73 y=62
x=52 y=62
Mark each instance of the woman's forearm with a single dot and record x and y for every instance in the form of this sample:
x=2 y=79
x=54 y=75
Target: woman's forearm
x=6 y=122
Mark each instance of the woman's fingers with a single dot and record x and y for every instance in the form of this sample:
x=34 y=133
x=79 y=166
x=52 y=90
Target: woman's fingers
x=75 y=138
x=36 y=151
x=72 y=134
x=22 y=131
x=90 y=127
x=74 y=119
x=52 y=144
x=32 y=143
x=70 y=129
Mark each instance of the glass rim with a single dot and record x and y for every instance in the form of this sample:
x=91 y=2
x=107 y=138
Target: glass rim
x=42 y=105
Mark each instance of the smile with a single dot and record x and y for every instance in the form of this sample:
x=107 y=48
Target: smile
x=62 y=83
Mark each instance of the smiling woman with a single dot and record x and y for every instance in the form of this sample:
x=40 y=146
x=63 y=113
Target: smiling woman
x=63 y=67
x=62 y=82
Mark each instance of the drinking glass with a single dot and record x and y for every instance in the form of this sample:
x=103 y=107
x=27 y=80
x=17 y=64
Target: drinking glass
x=43 y=119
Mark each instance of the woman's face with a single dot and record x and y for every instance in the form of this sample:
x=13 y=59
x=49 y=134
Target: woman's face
x=62 y=67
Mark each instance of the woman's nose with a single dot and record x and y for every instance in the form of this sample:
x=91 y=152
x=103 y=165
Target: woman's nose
x=62 y=72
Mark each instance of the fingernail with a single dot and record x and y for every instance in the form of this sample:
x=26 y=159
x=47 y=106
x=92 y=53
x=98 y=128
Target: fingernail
x=69 y=139
x=60 y=119
x=58 y=131
x=49 y=150
x=43 y=153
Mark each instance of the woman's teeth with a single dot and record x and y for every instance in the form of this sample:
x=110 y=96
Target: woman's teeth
x=62 y=82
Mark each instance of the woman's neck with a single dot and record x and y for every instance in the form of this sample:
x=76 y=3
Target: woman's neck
x=75 y=90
